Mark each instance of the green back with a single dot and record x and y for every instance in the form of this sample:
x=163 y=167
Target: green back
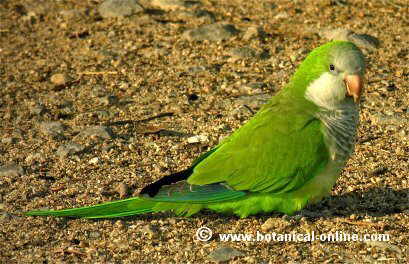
x=278 y=150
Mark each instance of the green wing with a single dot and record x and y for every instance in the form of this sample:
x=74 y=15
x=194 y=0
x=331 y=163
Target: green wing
x=278 y=150
x=183 y=192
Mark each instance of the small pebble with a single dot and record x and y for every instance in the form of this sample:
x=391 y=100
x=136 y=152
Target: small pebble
x=212 y=32
x=9 y=140
x=69 y=149
x=59 y=79
x=224 y=254
x=197 y=139
x=169 y=5
x=253 y=32
x=55 y=128
x=37 y=109
x=98 y=131
x=269 y=224
x=94 y=161
x=122 y=189
x=11 y=170
x=119 y=8
x=152 y=231
x=243 y=53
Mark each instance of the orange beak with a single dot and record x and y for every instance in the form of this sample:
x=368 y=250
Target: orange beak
x=354 y=84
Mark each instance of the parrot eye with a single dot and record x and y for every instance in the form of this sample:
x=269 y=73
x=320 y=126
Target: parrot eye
x=332 y=67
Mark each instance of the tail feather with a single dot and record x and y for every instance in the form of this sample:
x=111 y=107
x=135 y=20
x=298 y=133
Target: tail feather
x=181 y=198
x=127 y=207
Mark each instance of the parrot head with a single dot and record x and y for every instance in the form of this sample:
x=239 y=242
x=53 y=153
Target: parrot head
x=331 y=75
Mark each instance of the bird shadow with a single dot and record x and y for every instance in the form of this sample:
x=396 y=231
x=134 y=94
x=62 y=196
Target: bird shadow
x=375 y=202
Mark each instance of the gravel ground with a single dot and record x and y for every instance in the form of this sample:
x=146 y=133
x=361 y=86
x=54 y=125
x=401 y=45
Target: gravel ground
x=98 y=100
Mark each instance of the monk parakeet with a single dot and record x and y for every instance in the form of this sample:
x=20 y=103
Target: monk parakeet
x=289 y=154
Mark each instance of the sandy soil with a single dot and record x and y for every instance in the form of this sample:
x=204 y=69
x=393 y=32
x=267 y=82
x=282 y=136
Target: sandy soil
x=153 y=88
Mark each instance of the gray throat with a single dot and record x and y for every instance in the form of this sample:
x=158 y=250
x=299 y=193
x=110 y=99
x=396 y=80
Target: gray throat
x=340 y=128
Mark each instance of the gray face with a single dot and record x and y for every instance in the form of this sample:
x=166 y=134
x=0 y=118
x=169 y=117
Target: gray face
x=348 y=62
x=330 y=90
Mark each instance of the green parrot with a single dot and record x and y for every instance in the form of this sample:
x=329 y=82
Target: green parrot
x=288 y=155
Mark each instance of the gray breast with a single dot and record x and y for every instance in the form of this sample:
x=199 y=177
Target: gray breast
x=340 y=126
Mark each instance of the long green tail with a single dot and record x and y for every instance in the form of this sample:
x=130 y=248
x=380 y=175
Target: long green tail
x=182 y=199
x=127 y=207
